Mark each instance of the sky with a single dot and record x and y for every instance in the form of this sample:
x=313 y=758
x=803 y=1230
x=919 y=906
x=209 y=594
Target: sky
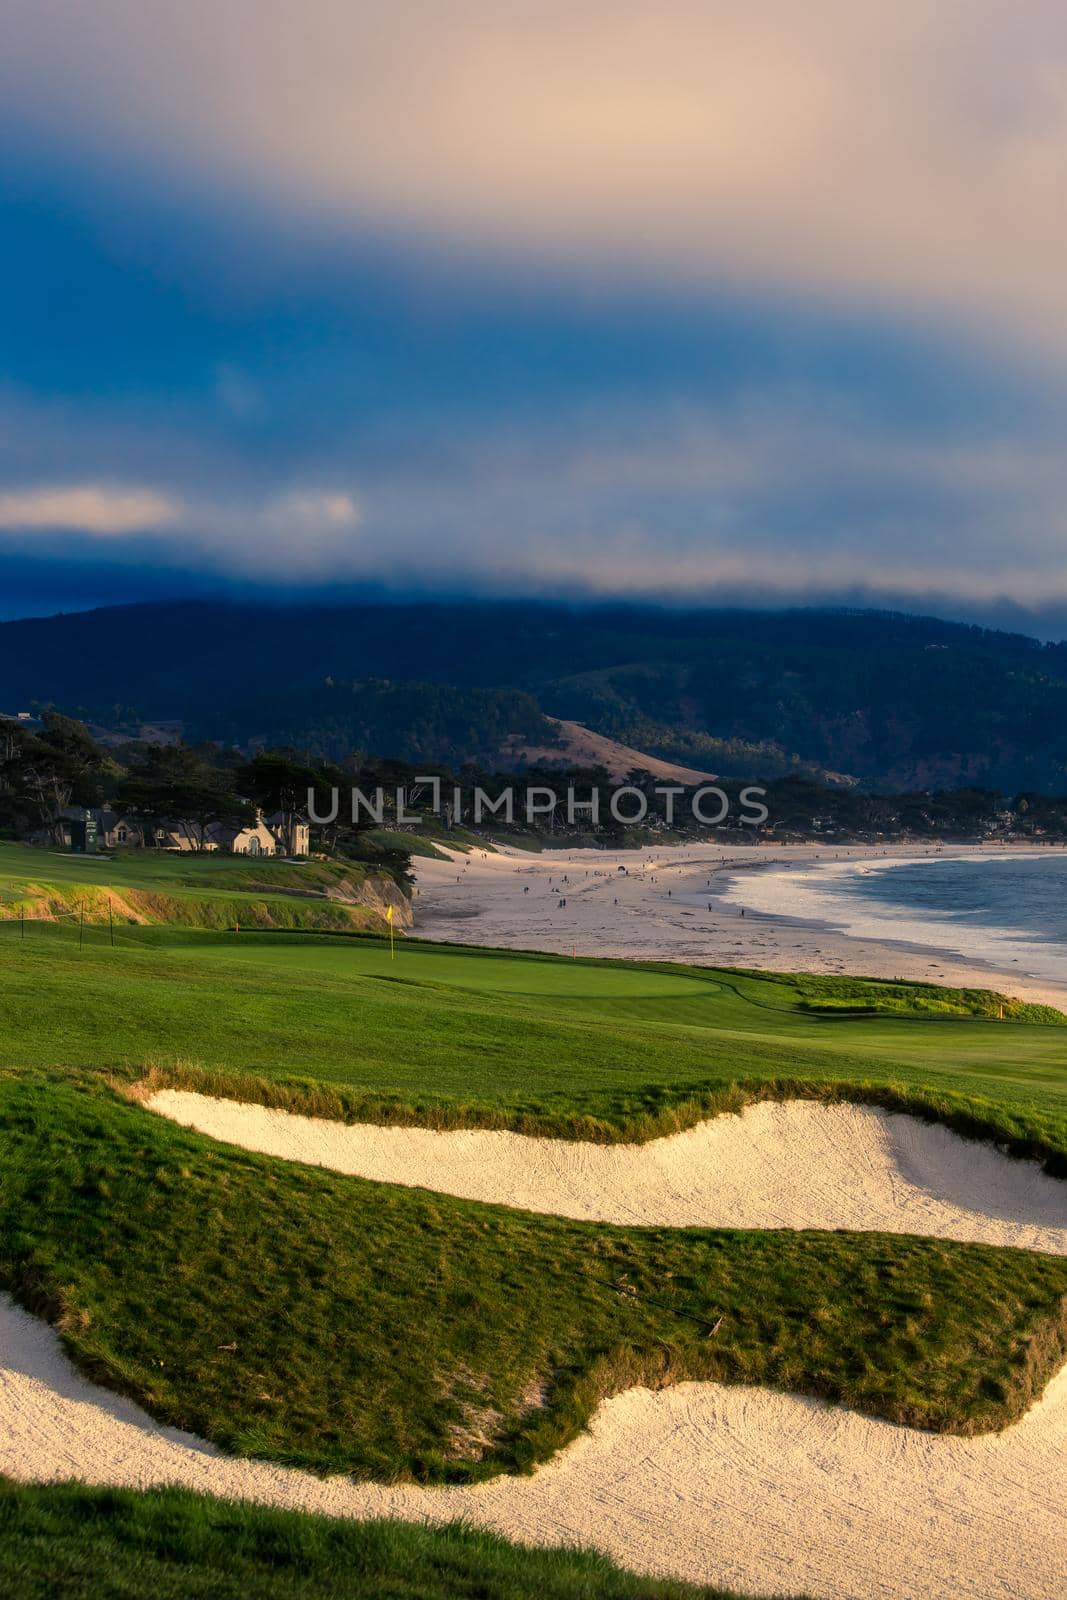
x=755 y=302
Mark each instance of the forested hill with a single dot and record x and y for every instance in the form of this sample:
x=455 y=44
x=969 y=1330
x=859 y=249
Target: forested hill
x=893 y=700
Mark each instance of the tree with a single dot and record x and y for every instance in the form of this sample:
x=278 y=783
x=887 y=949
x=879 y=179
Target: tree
x=277 y=782
x=171 y=781
x=45 y=772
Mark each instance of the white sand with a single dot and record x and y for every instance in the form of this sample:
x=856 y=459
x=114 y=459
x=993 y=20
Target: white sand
x=766 y=1492
x=479 y=899
x=796 y=1164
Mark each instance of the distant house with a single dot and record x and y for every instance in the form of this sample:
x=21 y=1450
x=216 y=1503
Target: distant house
x=298 y=841
x=167 y=833
x=267 y=836
x=118 y=832
x=256 y=840
x=114 y=831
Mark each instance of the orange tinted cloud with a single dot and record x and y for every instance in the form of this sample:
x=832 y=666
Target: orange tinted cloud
x=912 y=153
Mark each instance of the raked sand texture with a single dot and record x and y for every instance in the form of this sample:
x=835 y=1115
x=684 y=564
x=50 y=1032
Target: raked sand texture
x=765 y=1492
x=792 y=1164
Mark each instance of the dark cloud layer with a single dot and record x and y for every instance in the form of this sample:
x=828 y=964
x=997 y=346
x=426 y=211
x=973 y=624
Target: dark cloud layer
x=274 y=322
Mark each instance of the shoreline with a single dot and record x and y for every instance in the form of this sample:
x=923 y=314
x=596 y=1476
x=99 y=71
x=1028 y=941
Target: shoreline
x=670 y=904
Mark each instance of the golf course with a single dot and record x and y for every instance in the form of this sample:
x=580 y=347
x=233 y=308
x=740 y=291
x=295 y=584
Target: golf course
x=237 y=1202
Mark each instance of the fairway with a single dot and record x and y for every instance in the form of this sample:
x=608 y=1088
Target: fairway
x=455 y=1036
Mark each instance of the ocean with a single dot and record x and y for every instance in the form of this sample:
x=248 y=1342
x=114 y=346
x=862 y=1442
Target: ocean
x=1008 y=909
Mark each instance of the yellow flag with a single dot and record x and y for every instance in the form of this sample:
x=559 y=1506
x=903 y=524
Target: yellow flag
x=389 y=914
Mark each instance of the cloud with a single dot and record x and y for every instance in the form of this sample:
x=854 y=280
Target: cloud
x=784 y=497
x=791 y=492
x=95 y=509
x=297 y=534
x=315 y=510
x=911 y=153
x=303 y=535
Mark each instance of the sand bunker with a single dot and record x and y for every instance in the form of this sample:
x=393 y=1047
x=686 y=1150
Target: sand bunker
x=795 y=1164
x=764 y=1492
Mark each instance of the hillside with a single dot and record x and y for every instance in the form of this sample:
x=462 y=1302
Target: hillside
x=581 y=747
x=889 y=700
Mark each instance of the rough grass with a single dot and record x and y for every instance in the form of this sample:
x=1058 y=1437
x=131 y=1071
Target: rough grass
x=72 y=1543
x=342 y=1325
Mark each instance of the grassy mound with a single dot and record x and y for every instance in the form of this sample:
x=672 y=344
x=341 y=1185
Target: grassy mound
x=888 y=997
x=72 y=1543
x=332 y=1323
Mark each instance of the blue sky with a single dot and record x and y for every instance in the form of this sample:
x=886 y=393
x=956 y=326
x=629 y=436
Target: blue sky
x=747 y=303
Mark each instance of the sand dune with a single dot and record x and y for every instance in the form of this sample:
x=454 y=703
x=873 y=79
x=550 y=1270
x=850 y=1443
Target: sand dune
x=797 y=1164
x=767 y=1492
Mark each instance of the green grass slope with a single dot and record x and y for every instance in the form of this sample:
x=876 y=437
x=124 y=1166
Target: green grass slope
x=318 y=1319
x=207 y=890
x=71 y=1543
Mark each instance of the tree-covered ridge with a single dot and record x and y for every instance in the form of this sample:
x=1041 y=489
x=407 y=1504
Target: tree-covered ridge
x=896 y=702
x=417 y=722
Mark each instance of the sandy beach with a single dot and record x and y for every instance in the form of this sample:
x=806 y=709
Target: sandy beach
x=684 y=903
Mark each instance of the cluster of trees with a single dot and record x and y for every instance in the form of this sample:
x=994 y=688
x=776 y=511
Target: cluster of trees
x=892 y=711
x=970 y=812
x=797 y=806
x=417 y=722
x=45 y=770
